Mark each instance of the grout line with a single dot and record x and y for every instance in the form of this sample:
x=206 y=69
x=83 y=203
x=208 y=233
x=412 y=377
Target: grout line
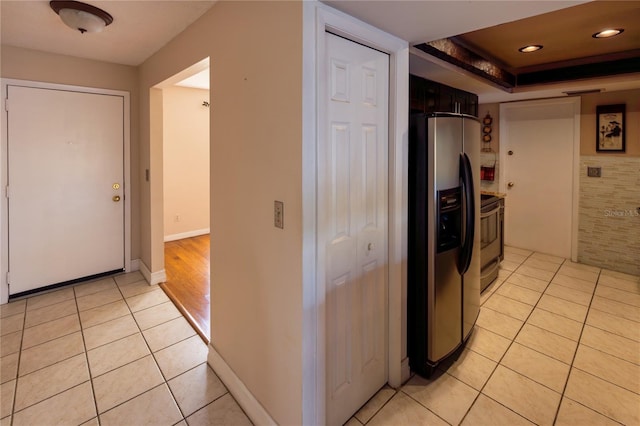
x=20 y=356
x=427 y=408
x=47 y=398
x=134 y=397
x=511 y=343
x=566 y=382
x=86 y=356
x=155 y=360
x=48 y=322
x=17 y=373
x=49 y=365
x=185 y=313
x=380 y=408
x=603 y=379
x=216 y=399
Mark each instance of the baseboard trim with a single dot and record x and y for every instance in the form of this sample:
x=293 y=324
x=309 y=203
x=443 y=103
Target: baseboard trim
x=152 y=278
x=256 y=412
x=188 y=234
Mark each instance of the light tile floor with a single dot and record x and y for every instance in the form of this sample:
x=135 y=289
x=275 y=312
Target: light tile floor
x=555 y=343
x=111 y=352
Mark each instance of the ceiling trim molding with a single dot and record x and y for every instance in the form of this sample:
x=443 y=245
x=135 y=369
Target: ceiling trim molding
x=450 y=51
x=580 y=72
x=462 y=57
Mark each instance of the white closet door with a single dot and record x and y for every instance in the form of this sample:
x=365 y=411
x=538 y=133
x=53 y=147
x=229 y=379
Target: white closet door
x=66 y=188
x=353 y=223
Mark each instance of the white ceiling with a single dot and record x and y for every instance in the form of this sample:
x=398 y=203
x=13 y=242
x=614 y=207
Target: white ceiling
x=419 y=21
x=196 y=81
x=142 y=27
x=428 y=20
x=139 y=28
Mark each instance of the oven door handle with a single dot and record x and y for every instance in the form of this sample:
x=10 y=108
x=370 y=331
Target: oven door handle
x=484 y=215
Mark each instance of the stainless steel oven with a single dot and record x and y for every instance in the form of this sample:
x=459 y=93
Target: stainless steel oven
x=491 y=237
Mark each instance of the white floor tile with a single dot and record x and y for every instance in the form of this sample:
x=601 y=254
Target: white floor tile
x=155 y=407
x=124 y=383
x=515 y=391
x=402 y=410
x=443 y=394
x=521 y=369
x=196 y=388
x=223 y=411
x=604 y=397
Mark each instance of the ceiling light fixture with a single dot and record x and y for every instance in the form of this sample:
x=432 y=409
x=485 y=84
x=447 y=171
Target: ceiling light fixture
x=81 y=16
x=608 y=33
x=530 y=48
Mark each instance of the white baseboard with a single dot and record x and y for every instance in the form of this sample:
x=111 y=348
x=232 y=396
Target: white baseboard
x=188 y=234
x=256 y=412
x=152 y=278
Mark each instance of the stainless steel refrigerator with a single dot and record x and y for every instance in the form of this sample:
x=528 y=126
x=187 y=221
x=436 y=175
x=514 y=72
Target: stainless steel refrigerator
x=443 y=270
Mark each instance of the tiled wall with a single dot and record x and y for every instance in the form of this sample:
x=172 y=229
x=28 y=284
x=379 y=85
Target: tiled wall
x=609 y=222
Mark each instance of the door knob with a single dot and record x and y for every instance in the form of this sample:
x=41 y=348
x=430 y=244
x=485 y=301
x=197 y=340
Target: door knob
x=116 y=198
x=510 y=184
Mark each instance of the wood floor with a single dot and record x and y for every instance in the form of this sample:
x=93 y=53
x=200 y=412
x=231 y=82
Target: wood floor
x=186 y=263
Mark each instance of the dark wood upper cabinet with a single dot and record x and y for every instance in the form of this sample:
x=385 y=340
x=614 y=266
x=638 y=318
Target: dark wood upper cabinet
x=429 y=96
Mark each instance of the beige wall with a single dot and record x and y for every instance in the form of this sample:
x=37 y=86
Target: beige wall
x=25 y=64
x=255 y=50
x=588 y=121
x=185 y=160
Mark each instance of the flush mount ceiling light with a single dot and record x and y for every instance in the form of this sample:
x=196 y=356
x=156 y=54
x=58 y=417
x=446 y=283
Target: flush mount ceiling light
x=608 y=33
x=81 y=16
x=530 y=48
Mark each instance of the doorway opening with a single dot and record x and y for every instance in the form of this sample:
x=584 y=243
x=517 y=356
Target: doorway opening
x=186 y=177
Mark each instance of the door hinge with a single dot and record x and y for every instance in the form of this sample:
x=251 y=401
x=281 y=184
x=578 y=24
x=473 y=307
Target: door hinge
x=8 y=277
x=6 y=104
x=6 y=191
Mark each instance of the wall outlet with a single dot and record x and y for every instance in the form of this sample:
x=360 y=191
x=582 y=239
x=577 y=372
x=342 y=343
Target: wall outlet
x=278 y=214
x=594 y=171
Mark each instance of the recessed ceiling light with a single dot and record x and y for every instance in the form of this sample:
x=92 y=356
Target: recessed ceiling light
x=608 y=33
x=530 y=48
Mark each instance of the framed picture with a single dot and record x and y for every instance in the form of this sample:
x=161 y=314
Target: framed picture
x=610 y=128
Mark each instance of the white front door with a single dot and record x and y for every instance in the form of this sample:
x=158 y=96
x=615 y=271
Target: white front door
x=538 y=143
x=66 y=186
x=352 y=224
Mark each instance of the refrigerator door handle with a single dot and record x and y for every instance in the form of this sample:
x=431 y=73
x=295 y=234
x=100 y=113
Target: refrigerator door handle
x=466 y=251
